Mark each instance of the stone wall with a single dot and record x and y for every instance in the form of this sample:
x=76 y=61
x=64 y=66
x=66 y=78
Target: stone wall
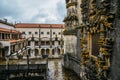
x=72 y=63
x=70 y=42
x=115 y=57
x=115 y=66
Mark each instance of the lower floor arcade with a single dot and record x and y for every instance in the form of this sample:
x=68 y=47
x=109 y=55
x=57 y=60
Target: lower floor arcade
x=50 y=52
x=38 y=52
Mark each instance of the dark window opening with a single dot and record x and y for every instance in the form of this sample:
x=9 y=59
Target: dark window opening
x=48 y=33
x=47 y=42
x=28 y=43
x=36 y=32
x=42 y=42
x=3 y=36
x=23 y=32
x=36 y=43
x=52 y=42
x=29 y=32
x=59 y=33
x=42 y=32
x=95 y=46
x=53 y=32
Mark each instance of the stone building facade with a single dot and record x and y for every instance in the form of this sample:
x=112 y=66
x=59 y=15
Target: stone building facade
x=99 y=38
x=43 y=39
x=36 y=40
x=10 y=40
x=71 y=37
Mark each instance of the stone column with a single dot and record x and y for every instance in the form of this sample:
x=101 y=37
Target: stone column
x=10 y=35
x=78 y=44
x=4 y=36
x=45 y=51
x=40 y=52
x=26 y=52
x=61 y=51
x=50 y=53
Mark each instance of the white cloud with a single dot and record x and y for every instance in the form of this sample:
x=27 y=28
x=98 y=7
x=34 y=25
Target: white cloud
x=42 y=11
x=9 y=18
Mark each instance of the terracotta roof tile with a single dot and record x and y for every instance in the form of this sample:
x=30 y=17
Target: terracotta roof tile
x=8 y=30
x=29 y=25
x=19 y=40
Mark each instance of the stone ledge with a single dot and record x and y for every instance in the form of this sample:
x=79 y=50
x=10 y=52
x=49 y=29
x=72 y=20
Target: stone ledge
x=70 y=32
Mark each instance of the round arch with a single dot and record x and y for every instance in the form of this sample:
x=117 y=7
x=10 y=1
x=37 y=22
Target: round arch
x=36 y=52
x=47 y=51
x=29 y=52
x=42 y=51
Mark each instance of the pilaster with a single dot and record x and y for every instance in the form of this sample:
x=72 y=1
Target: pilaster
x=50 y=53
x=39 y=52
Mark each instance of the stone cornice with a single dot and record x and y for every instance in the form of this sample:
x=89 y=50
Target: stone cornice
x=70 y=32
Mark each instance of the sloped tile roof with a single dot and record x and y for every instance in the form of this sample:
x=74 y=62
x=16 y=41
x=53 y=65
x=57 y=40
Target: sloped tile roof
x=30 y=25
x=19 y=40
x=8 y=30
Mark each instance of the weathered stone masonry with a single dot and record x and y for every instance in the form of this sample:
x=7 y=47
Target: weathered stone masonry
x=99 y=38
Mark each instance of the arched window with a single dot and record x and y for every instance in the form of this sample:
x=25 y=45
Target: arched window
x=47 y=51
x=36 y=52
x=58 y=51
x=29 y=52
x=43 y=51
x=53 y=51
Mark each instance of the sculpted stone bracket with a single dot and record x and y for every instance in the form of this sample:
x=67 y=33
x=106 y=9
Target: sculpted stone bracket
x=71 y=4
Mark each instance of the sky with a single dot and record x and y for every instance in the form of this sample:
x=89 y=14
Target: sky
x=33 y=11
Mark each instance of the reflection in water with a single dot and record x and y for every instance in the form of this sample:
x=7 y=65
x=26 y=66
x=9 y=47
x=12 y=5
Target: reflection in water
x=56 y=72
